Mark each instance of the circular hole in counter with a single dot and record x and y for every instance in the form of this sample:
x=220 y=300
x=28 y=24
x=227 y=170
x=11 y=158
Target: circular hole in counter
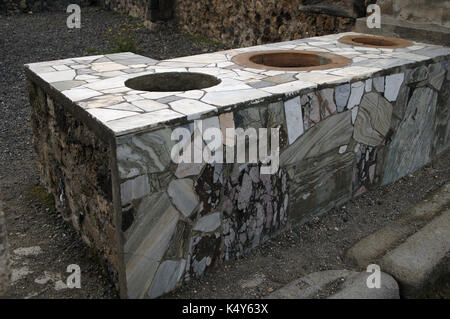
x=375 y=42
x=172 y=82
x=290 y=60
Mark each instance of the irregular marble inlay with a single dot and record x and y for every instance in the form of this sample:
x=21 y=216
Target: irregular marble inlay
x=255 y=206
x=342 y=93
x=183 y=196
x=294 y=119
x=411 y=144
x=330 y=133
x=374 y=119
x=317 y=184
x=392 y=86
x=364 y=176
x=147 y=242
x=356 y=94
x=145 y=153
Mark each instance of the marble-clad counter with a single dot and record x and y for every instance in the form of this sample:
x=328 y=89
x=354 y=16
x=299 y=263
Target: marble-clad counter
x=105 y=148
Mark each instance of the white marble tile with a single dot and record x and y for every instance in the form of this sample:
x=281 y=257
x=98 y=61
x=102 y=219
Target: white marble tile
x=131 y=98
x=192 y=108
x=289 y=87
x=368 y=87
x=294 y=119
x=102 y=101
x=203 y=58
x=273 y=73
x=117 y=90
x=142 y=121
x=158 y=95
x=40 y=69
x=149 y=105
x=233 y=97
x=108 y=66
x=228 y=85
x=224 y=64
x=181 y=64
x=321 y=77
x=409 y=56
x=111 y=83
x=164 y=69
x=415 y=47
x=86 y=77
x=79 y=66
x=111 y=74
x=392 y=86
x=108 y=114
x=79 y=94
x=87 y=59
x=356 y=71
x=193 y=94
x=58 y=76
x=50 y=63
x=138 y=66
x=125 y=107
x=61 y=67
x=356 y=94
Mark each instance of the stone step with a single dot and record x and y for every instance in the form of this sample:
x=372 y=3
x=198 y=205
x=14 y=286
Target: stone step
x=415 y=248
x=422 y=258
x=338 y=284
x=373 y=247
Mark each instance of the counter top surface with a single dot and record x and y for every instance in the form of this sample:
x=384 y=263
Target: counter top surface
x=96 y=84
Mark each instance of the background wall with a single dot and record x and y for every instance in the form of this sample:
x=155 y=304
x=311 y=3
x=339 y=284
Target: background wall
x=243 y=23
x=26 y=6
x=418 y=11
x=249 y=22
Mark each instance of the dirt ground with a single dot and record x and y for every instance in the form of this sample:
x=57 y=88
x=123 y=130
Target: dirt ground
x=40 y=271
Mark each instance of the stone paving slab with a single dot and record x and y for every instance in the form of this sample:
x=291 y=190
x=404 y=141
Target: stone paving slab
x=374 y=246
x=4 y=271
x=423 y=257
x=337 y=284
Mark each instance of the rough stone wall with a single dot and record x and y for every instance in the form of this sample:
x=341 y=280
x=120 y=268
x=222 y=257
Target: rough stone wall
x=250 y=22
x=25 y=6
x=75 y=167
x=134 y=8
x=418 y=11
x=245 y=23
